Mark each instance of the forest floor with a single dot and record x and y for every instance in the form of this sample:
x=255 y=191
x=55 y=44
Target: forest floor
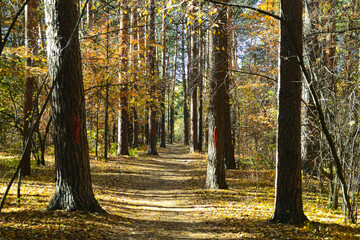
x=162 y=197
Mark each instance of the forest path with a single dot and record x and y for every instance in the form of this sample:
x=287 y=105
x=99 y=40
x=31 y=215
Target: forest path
x=160 y=197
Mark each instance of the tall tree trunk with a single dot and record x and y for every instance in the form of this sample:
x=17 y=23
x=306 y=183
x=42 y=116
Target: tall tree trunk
x=215 y=176
x=140 y=64
x=185 y=91
x=134 y=68
x=194 y=143
x=73 y=189
x=106 y=120
x=172 y=104
x=229 y=140
x=163 y=83
x=123 y=119
x=135 y=129
x=200 y=80
x=288 y=187
x=152 y=75
x=31 y=20
x=97 y=130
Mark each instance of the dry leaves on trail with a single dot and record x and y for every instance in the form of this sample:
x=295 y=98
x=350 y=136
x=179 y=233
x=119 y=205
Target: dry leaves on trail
x=162 y=197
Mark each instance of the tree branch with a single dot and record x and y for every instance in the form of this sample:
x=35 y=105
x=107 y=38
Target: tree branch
x=2 y=44
x=255 y=74
x=247 y=7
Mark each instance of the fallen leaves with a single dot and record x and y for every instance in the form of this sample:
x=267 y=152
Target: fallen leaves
x=162 y=197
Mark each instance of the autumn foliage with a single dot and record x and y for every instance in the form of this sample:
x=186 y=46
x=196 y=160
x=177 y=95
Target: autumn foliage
x=124 y=59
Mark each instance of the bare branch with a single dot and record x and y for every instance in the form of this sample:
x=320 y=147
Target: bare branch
x=2 y=44
x=255 y=74
x=247 y=7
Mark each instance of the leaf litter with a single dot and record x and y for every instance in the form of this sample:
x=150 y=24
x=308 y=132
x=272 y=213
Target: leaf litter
x=162 y=197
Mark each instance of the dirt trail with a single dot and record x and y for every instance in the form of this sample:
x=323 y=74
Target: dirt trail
x=160 y=197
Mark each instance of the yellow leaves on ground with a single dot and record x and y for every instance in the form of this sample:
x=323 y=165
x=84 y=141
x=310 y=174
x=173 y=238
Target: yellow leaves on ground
x=162 y=197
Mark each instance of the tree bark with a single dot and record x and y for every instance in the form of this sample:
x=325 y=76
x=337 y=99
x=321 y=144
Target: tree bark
x=152 y=75
x=136 y=66
x=73 y=189
x=123 y=119
x=31 y=20
x=288 y=186
x=163 y=83
x=215 y=176
x=185 y=92
x=200 y=80
x=229 y=140
x=194 y=144
x=106 y=120
x=172 y=104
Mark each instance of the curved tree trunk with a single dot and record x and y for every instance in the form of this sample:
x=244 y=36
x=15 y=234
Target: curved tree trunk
x=73 y=181
x=288 y=187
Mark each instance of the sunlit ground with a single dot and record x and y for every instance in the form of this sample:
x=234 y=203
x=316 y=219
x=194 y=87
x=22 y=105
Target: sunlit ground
x=162 y=197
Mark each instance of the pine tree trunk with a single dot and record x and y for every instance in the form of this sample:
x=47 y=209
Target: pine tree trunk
x=194 y=144
x=184 y=80
x=73 y=180
x=97 y=130
x=135 y=66
x=135 y=129
x=152 y=73
x=123 y=118
x=106 y=120
x=163 y=83
x=172 y=104
x=31 y=13
x=229 y=140
x=200 y=80
x=215 y=176
x=106 y=130
x=288 y=187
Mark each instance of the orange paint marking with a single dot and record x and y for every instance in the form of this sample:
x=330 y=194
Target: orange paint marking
x=215 y=137
x=75 y=127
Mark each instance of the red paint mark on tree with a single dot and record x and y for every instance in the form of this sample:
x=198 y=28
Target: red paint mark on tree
x=153 y=131
x=75 y=127
x=215 y=137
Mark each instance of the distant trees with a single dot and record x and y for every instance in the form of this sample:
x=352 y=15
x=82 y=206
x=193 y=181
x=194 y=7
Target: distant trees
x=332 y=82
